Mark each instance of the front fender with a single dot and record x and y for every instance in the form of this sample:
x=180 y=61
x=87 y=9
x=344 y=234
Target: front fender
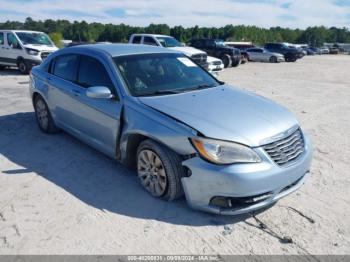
x=142 y=120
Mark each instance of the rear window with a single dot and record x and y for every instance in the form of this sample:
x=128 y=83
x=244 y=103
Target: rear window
x=66 y=67
x=136 y=40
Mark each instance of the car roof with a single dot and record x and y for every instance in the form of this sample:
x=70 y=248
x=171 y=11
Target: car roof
x=20 y=31
x=123 y=49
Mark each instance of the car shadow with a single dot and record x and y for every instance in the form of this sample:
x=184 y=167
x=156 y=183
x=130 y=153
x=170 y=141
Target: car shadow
x=90 y=176
x=9 y=71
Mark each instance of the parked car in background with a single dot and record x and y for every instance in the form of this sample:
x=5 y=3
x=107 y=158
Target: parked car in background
x=316 y=50
x=230 y=56
x=324 y=50
x=334 y=50
x=309 y=51
x=242 y=46
x=24 y=49
x=185 y=132
x=257 y=54
x=215 y=65
x=199 y=56
x=290 y=54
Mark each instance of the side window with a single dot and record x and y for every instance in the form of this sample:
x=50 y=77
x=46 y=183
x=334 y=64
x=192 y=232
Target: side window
x=1 y=38
x=149 y=41
x=12 y=41
x=136 y=39
x=93 y=73
x=66 y=67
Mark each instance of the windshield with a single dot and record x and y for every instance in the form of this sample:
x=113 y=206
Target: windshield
x=157 y=74
x=34 y=38
x=168 y=42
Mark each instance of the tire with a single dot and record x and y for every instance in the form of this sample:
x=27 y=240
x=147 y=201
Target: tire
x=23 y=67
x=43 y=116
x=226 y=59
x=236 y=63
x=168 y=167
x=273 y=59
x=290 y=58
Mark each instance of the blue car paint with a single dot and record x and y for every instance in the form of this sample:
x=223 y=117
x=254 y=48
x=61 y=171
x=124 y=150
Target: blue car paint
x=224 y=113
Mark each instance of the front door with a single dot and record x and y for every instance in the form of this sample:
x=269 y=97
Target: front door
x=97 y=118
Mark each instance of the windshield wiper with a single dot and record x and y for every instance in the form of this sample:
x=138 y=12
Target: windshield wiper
x=204 y=86
x=161 y=92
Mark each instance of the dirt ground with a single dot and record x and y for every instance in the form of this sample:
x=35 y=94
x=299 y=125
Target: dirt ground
x=58 y=196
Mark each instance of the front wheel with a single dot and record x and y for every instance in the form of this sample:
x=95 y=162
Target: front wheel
x=23 y=67
x=236 y=63
x=159 y=170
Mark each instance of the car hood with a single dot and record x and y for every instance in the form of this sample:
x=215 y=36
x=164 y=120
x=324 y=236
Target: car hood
x=42 y=47
x=226 y=113
x=187 y=50
x=211 y=59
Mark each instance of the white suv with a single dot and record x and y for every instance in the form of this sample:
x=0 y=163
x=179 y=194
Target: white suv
x=24 y=49
x=196 y=55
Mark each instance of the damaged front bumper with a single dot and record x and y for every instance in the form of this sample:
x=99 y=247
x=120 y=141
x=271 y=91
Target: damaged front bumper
x=243 y=188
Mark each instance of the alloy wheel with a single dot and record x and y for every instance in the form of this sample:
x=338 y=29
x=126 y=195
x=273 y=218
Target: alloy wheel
x=151 y=172
x=42 y=114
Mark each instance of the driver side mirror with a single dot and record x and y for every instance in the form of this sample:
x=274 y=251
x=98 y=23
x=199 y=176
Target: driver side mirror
x=99 y=92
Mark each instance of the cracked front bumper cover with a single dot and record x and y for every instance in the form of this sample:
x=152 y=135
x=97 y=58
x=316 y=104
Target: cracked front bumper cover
x=243 y=181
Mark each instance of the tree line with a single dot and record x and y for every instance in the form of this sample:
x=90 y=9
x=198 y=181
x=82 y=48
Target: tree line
x=98 y=32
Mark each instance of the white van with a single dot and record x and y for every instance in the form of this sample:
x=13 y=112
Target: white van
x=24 y=49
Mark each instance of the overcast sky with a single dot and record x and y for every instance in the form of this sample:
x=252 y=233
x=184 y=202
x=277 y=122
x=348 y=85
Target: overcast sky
x=264 y=13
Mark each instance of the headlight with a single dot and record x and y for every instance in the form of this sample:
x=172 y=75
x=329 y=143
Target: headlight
x=221 y=152
x=32 y=51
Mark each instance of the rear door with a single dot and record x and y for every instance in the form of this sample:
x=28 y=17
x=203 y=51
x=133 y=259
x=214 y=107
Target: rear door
x=62 y=89
x=253 y=54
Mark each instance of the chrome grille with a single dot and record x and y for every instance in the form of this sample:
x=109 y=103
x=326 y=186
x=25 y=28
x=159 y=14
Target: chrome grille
x=199 y=58
x=287 y=149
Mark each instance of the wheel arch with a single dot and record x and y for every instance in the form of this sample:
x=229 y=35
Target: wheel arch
x=133 y=140
x=19 y=58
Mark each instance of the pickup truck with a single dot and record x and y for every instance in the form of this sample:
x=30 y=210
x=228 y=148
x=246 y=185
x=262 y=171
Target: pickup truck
x=196 y=55
x=291 y=54
x=230 y=56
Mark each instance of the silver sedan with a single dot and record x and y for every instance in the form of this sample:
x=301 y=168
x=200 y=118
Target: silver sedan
x=263 y=55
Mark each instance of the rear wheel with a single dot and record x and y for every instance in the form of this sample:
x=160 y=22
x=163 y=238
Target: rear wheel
x=159 y=170
x=226 y=59
x=273 y=59
x=43 y=116
x=23 y=67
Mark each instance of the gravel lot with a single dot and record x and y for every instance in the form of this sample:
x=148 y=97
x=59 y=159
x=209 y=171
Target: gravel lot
x=58 y=196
